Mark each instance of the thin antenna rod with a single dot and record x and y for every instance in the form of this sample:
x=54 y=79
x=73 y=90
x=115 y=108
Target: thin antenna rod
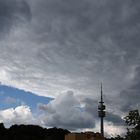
x=101 y=93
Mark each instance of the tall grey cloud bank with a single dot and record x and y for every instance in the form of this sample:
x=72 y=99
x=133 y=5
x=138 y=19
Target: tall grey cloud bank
x=66 y=112
x=73 y=45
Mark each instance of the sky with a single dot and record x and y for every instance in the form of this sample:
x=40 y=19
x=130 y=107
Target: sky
x=54 y=54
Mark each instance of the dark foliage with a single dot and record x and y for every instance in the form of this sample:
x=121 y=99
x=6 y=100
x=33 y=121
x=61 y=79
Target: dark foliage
x=133 y=120
x=116 y=138
x=31 y=132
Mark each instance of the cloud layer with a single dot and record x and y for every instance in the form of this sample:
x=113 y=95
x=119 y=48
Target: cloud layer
x=68 y=47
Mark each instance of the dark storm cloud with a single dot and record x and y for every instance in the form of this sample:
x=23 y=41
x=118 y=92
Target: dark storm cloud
x=11 y=13
x=91 y=36
x=115 y=119
x=80 y=43
x=91 y=107
x=131 y=96
x=91 y=19
x=77 y=43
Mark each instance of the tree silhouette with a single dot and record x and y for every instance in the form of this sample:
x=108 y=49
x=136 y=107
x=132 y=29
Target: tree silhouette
x=31 y=132
x=133 y=120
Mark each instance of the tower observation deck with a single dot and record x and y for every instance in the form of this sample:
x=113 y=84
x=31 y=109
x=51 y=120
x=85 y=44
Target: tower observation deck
x=101 y=112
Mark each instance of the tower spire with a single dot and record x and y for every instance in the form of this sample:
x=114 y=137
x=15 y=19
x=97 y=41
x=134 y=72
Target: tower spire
x=101 y=93
x=101 y=111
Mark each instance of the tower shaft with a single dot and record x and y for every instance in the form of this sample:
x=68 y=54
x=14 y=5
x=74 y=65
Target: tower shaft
x=101 y=111
x=102 y=126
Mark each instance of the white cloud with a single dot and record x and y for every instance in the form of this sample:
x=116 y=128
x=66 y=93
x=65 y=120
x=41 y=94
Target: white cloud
x=19 y=115
x=113 y=130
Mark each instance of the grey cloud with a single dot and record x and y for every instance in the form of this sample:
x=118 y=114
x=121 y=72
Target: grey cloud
x=65 y=112
x=91 y=106
x=59 y=47
x=115 y=119
x=85 y=50
x=69 y=17
x=130 y=96
x=11 y=13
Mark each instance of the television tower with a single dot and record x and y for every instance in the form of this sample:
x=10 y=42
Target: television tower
x=101 y=112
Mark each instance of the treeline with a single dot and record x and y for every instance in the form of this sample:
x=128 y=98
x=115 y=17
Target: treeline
x=31 y=132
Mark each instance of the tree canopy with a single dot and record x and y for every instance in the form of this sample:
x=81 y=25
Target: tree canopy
x=133 y=120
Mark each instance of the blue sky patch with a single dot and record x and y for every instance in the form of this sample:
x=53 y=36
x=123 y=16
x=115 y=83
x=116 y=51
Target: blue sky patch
x=12 y=97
